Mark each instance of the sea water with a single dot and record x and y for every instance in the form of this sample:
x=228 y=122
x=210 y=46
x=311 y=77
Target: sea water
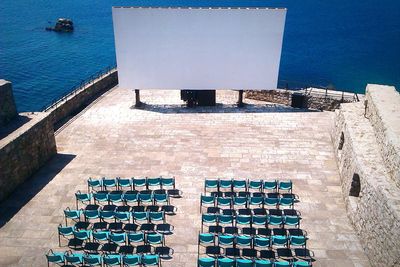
x=337 y=43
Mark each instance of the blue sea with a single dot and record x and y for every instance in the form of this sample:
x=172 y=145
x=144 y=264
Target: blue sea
x=338 y=43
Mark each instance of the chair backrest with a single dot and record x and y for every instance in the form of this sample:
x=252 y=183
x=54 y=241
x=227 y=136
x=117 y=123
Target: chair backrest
x=270 y=185
x=225 y=183
x=282 y=264
x=156 y=215
x=154 y=238
x=240 y=201
x=275 y=220
x=74 y=258
x=92 y=259
x=255 y=184
x=206 y=238
x=224 y=201
x=206 y=262
x=279 y=240
x=226 y=240
x=131 y=260
x=117 y=237
x=150 y=259
x=211 y=183
x=82 y=234
x=91 y=214
x=72 y=214
x=225 y=219
x=239 y=184
x=292 y=220
x=109 y=182
x=112 y=259
x=124 y=182
x=243 y=240
x=262 y=242
x=207 y=199
x=66 y=230
x=136 y=237
x=263 y=263
x=154 y=181
x=298 y=240
x=226 y=262
x=140 y=215
x=101 y=235
x=285 y=185
x=122 y=215
x=95 y=183
x=139 y=182
x=209 y=218
x=55 y=257
x=243 y=219
x=240 y=262
x=168 y=182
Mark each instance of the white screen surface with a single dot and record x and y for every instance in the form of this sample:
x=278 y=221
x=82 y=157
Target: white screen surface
x=182 y=48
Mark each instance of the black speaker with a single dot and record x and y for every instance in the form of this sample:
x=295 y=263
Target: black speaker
x=206 y=98
x=299 y=100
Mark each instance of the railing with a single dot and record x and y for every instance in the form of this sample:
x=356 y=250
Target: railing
x=75 y=89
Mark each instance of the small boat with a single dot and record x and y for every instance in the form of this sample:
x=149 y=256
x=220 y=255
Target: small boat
x=62 y=25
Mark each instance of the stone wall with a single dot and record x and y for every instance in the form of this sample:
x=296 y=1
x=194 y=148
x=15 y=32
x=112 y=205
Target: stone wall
x=371 y=198
x=24 y=151
x=8 y=110
x=76 y=102
x=383 y=106
x=318 y=100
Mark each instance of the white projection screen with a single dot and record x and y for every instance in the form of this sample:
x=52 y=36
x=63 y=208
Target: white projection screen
x=198 y=48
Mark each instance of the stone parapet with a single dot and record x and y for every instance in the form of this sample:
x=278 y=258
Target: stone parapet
x=8 y=110
x=75 y=102
x=24 y=151
x=382 y=110
x=371 y=197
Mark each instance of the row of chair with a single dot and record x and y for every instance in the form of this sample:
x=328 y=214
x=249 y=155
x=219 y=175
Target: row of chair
x=118 y=197
x=259 y=242
x=246 y=185
x=233 y=202
x=244 y=262
x=78 y=259
x=255 y=231
x=251 y=220
x=253 y=211
x=251 y=194
x=130 y=183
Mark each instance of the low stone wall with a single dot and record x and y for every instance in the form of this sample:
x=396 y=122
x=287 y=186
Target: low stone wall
x=371 y=199
x=281 y=96
x=76 y=102
x=8 y=110
x=383 y=106
x=24 y=151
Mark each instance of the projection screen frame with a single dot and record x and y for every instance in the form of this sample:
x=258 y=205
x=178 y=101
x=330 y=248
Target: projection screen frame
x=212 y=63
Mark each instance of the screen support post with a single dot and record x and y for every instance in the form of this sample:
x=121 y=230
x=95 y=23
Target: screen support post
x=137 y=98
x=240 y=103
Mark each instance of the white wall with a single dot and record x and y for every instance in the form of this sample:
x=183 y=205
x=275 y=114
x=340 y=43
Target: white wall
x=181 y=48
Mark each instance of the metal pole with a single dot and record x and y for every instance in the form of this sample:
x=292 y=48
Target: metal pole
x=240 y=103
x=137 y=97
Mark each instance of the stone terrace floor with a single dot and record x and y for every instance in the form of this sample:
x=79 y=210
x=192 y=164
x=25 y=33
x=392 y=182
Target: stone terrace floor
x=110 y=138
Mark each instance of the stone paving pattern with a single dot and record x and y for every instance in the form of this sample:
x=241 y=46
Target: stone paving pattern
x=110 y=138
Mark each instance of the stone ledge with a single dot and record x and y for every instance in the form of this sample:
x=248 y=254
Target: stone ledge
x=375 y=214
x=383 y=106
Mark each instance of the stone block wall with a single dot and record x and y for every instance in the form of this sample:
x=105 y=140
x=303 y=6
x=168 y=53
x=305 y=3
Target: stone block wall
x=274 y=96
x=83 y=97
x=372 y=200
x=8 y=110
x=383 y=112
x=24 y=151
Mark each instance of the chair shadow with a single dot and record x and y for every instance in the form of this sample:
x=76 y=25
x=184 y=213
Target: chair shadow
x=220 y=108
x=33 y=185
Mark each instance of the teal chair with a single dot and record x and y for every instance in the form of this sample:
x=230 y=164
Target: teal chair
x=91 y=214
x=83 y=235
x=286 y=186
x=302 y=264
x=279 y=241
x=131 y=198
x=282 y=264
x=255 y=185
x=100 y=236
x=139 y=182
x=109 y=182
x=207 y=219
x=66 y=232
x=140 y=216
x=226 y=262
x=256 y=201
x=114 y=197
x=155 y=239
x=208 y=201
x=260 y=220
x=122 y=216
x=243 y=241
x=270 y=185
x=275 y=220
x=151 y=260
x=243 y=220
x=211 y=184
x=226 y=240
x=74 y=258
x=55 y=257
x=271 y=201
x=153 y=182
x=286 y=202
x=135 y=237
x=167 y=182
x=206 y=239
x=112 y=260
x=239 y=201
x=131 y=260
x=106 y=215
x=92 y=260
x=240 y=262
x=94 y=184
x=298 y=241
x=262 y=242
x=225 y=219
x=225 y=184
x=124 y=184
x=84 y=198
x=74 y=215
x=101 y=197
x=161 y=199
x=206 y=262
x=157 y=216
x=224 y=202
x=263 y=263
x=145 y=198
x=118 y=238
x=240 y=185
x=292 y=221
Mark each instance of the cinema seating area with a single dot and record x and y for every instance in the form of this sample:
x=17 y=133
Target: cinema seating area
x=118 y=222
x=251 y=223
